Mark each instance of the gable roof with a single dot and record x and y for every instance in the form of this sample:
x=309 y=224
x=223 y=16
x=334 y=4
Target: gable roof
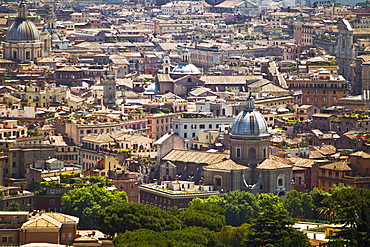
x=338 y=166
x=361 y=154
x=43 y=221
x=228 y=165
x=271 y=164
x=197 y=157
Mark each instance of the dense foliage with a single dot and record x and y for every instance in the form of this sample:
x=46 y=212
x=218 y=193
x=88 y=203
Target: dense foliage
x=86 y=202
x=235 y=219
x=120 y=218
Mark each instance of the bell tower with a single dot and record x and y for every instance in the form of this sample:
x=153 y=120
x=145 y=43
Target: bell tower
x=166 y=65
x=109 y=89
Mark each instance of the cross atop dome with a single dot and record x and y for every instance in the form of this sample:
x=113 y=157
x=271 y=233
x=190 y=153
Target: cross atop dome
x=22 y=10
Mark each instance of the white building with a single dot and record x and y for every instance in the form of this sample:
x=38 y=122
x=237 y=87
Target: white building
x=188 y=128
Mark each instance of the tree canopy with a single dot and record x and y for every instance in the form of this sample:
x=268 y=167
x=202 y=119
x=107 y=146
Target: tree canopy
x=299 y=205
x=350 y=206
x=205 y=214
x=188 y=237
x=273 y=227
x=120 y=218
x=86 y=202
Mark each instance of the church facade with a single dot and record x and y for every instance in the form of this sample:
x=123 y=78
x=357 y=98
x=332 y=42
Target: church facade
x=249 y=167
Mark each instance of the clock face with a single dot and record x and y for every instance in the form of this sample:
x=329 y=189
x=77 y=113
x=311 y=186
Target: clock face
x=110 y=88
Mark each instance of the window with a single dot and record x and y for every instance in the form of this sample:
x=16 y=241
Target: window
x=264 y=152
x=185 y=135
x=210 y=126
x=323 y=173
x=322 y=183
x=52 y=201
x=280 y=182
x=28 y=55
x=7 y=238
x=218 y=181
x=81 y=132
x=193 y=127
x=238 y=152
x=63 y=236
x=185 y=127
x=202 y=126
x=192 y=134
x=181 y=202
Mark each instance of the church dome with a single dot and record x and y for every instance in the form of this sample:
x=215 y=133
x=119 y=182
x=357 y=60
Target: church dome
x=186 y=69
x=250 y=123
x=23 y=31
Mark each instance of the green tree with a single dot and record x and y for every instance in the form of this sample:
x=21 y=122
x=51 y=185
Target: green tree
x=120 y=218
x=266 y=199
x=299 y=205
x=212 y=221
x=239 y=206
x=233 y=236
x=351 y=206
x=273 y=227
x=321 y=206
x=86 y=202
x=14 y=206
x=188 y=237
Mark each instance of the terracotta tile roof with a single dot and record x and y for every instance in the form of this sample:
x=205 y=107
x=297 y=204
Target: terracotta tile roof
x=313 y=154
x=43 y=221
x=64 y=218
x=270 y=164
x=280 y=159
x=229 y=165
x=338 y=166
x=302 y=162
x=68 y=68
x=361 y=154
x=208 y=79
x=325 y=149
x=164 y=77
x=101 y=138
x=196 y=157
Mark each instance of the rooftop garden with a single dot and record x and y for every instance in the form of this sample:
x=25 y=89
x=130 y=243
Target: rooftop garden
x=71 y=180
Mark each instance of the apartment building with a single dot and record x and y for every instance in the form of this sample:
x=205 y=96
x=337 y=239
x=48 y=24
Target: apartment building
x=160 y=124
x=320 y=88
x=189 y=128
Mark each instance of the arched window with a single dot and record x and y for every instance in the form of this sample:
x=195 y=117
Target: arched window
x=280 y=180
x=189 y=80
x=264 y=152
x=252 y=153
x=238 y=151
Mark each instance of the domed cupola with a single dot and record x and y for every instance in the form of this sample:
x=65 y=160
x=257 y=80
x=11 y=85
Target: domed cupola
x=23 y=29
x=249 y=136
x=250 y=122
x=185 y=67
x=23 y=42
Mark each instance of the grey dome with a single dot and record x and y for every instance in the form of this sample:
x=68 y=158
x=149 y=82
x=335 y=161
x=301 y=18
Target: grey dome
x=250 y=123
x=23 y=31
x=186 y=69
